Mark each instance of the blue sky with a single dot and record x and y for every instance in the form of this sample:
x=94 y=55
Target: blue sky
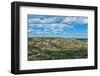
x=57 y=26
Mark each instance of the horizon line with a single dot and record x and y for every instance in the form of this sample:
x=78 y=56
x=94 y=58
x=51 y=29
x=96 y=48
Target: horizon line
x=63 y=37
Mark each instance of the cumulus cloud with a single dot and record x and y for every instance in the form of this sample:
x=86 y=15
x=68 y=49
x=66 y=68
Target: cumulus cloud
x=50 y=26
x=38 y=31
x=30 y=30
x=50 y=20
x=55 y=23
x=47 y=20
x=72 y=20
x=57 y=31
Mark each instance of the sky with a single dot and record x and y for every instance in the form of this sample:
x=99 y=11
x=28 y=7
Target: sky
x=57 y=26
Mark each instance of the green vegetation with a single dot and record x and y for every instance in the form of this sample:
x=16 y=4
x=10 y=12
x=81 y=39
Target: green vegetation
x=54 y=48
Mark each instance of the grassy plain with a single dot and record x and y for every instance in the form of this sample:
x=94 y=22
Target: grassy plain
x=54 y=48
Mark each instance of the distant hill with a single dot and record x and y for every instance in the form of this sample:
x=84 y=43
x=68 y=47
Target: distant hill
x=60 y=38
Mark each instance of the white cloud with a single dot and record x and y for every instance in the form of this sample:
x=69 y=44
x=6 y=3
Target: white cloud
x=45 y=20
x=45 y=30
x=48 y=20
x=52 y=23
x=50 y=26
x=36 y=25
x=38 y=31
x=30 y=30
x=76 y=19
x=34 y=20
x=56 y=19
x=57 y=30
x=55 y=24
